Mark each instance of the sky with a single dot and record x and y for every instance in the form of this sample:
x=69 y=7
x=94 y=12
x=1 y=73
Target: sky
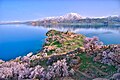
x=22 y=10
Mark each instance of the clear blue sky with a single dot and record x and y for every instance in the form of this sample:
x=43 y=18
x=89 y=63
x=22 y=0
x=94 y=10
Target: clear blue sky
x=11 y=10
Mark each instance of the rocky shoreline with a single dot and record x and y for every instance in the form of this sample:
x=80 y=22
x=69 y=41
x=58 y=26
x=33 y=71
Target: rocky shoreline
x=66 y=56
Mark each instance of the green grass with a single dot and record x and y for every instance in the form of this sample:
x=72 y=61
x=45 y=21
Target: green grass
x=109 y=68
x=38 y=62
x=43 y=63
x=57 y=43
x=85 y=61
x=50 y=52
x=87 y=64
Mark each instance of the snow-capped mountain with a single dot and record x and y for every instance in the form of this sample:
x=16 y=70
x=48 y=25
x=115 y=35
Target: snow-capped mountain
x=69 y=16
x=109 y=16
x=72 y=19
x=75 y=18
x=72 y=16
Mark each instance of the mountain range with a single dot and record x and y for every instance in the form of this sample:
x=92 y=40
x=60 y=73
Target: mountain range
x=69 y=16
x=72 y=19
x=76 y=19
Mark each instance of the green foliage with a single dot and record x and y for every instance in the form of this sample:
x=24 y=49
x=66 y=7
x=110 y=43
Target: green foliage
x=85 y=61
x=108 y=68
x=97 y=68
x=43 y=63
x=57 y=43
x=50 y=52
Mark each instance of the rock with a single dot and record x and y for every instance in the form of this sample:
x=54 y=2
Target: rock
x=67 y=78
x=29 y=54
x=111 y=54
x=100 y=79
x=103 y=67
x=116 y=76
x=72 y=71
x=104 y=54
x=18 y=58
x=1 y=61
x=98 y=57
x=50 y=47
x=118 y=70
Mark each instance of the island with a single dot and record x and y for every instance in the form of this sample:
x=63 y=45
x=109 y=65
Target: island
x=66 y=56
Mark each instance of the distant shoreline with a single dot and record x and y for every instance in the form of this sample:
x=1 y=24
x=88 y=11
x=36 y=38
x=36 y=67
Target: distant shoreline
x=61 y=24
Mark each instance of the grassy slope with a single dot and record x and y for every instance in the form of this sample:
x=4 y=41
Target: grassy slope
x=69 y=42
x=88 y=69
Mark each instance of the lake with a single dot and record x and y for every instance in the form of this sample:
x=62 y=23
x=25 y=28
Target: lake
x=19 y=40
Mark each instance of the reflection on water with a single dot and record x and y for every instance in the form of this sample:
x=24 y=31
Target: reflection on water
x=21 y=39
x=90 y=28
x=107 y=34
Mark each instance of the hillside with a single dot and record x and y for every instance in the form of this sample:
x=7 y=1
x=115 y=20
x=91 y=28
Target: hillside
x=66 y=56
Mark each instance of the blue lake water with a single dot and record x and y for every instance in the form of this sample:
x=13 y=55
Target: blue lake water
x=19 y=40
